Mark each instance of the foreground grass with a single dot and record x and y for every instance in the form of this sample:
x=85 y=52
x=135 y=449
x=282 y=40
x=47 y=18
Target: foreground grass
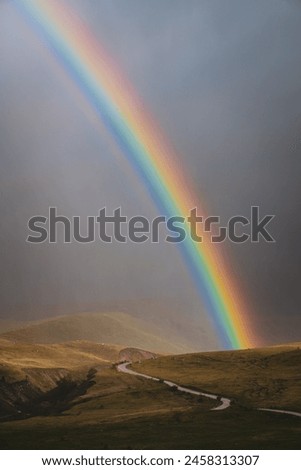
x=121 y=411
x=190 y=429
x=126 y=412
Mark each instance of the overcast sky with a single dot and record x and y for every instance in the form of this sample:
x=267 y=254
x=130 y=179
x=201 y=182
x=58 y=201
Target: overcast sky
x=222 y=79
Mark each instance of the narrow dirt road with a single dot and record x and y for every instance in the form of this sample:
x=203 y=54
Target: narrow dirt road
x=225 y=402
x=293 y=413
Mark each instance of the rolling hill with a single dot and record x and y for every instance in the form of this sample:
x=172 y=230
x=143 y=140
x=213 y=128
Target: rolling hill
x=106 y=409
x=44 y=364
x=8 y=325
x=108 y=328
x=266 y=377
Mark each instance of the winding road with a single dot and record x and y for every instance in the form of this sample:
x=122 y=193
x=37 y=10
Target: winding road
x=293 y=413
x=224 y=402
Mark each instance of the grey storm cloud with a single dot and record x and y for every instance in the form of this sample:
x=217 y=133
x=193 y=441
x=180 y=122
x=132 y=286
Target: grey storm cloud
x=223 y=80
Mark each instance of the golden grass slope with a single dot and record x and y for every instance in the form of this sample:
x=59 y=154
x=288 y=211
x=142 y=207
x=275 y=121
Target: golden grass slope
x=121 y=411
x=44 y=364
x=268 y=377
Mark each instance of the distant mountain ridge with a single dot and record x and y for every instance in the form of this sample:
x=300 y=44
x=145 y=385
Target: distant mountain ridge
x=108 y=328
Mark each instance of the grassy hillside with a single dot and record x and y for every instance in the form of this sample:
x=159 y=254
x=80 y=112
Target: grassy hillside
x=43 y=364
x=110 y=328
x=101 y=408
x=269 y=377
x=125 y=412
x=8 y=325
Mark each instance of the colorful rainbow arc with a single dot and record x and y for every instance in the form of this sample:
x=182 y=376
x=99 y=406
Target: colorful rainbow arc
x=136 y=134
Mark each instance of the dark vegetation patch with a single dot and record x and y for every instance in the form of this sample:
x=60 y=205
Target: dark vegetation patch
x=22 y=399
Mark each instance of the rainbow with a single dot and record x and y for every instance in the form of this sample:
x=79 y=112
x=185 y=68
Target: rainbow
x=122 y=113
